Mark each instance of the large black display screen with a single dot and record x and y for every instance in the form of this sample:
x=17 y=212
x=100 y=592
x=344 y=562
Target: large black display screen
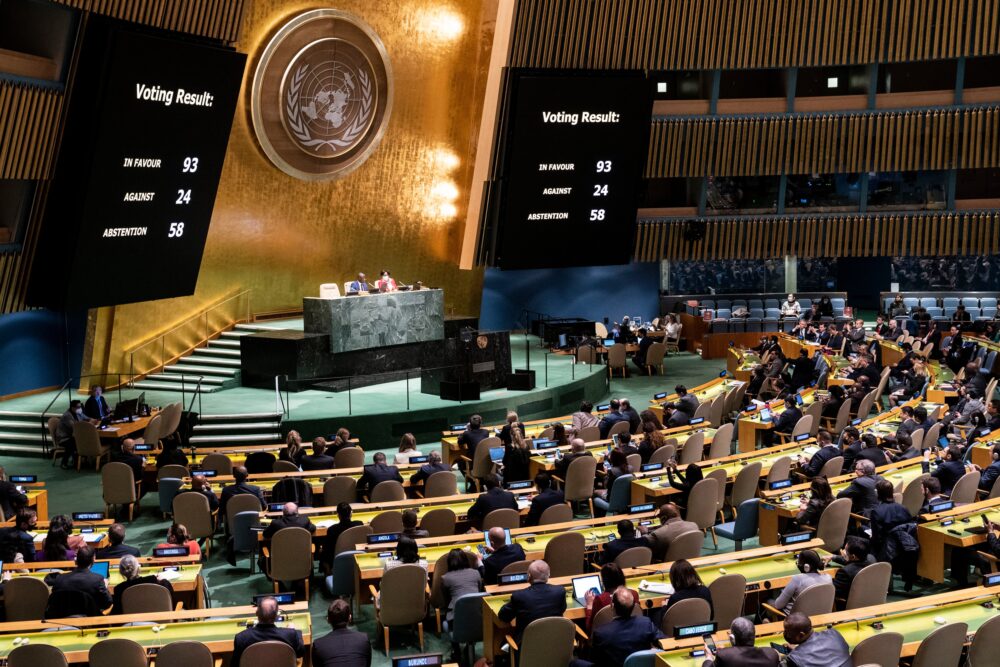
x=572 y=168
x=136 y=176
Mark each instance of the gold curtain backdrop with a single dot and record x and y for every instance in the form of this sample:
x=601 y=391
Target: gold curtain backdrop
x=402 y=210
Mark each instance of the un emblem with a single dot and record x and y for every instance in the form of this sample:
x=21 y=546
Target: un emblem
x=322 y=93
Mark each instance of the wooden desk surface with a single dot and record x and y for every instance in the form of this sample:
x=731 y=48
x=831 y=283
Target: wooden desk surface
x=126 y=429
x=957 y=528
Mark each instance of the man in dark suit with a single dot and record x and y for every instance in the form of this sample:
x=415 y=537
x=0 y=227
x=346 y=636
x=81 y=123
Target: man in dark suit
x=784 y=422
x=639 y=358
x=134 y=461
x=853 y=558
x=11 y=500
x=318 y=460
x=685 y=402
x=577 y=449
x=82 y=580
x=290 y=518
x=434 y=464
x=200 y=485
x=96 y=406
x=870 y=451
x=239 y=487
x=613 y=417
x=950 y=470
x=473 y=435
x=117 y=548
x=64 y=432
x=627 y=538
x=539 y=600
x=827 y=451
x=494 y=498
x=850 y=443
x=17 y=539
x=626 y=634
x=932 y=494
x=546 y=498
x=342 y=647
x=333 y=533
x=861 y=490
x=674 y=416
x=377 y=472
x=634 y=421
x=265 y=630
x=500 y=556
x=743 y=653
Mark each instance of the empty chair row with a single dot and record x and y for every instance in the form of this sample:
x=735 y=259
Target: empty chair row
x=947 y=302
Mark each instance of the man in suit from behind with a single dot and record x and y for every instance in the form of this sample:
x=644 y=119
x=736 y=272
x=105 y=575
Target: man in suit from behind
x=494 y=498
x=319 y=459
x=743 y=653
x=546 y=498
x=577 y=450
x=627 y=538
x=342 y=647
x=11 y=500
x=239 y=487
x=81 y=579
x=377 y=472
x=671 y=525
x=96 y=406
x=117 y=548
x=613 y=417
x=539 y=600
x=686 y=402
x=501 y=555
x=434 y=464
x=266 y=630
x=290 y=518
x=626 y=634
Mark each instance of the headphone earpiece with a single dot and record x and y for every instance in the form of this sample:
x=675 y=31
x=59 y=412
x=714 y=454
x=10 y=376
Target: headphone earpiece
x=805 y=567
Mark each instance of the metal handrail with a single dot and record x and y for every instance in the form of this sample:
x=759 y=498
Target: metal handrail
x=67 y=385
x=161 y=338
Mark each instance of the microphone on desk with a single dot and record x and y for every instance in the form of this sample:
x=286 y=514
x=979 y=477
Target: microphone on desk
x=63 y=625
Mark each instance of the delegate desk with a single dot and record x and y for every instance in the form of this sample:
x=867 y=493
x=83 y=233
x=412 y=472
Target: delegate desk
x=750 y=423
x=653 y=485
x=215 y=628
x=942 y=385
x=781 y=506
x=740 y=363
x=982 y=451
x=38 y=500
x=186 y=581
x=891 y=352
x=765 y=569
x=914 y=619
x=369 y=566
x=95 y=533
x=705 y=393
x=126 y=429
x=236 y=453
x=315 y=478
x=957 y=528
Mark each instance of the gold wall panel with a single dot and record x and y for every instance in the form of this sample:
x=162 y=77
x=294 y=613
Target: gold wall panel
x=858 y=235
x=825 y=143
x=746 y=34
x=402 y=210
x=216 y=19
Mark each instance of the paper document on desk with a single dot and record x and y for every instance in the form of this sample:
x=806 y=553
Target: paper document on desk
x=809 y=451
x=169 y=575
x=661 y=588
x=326 y=523
x=523 y=503
x=92 y=538
x=109 y=428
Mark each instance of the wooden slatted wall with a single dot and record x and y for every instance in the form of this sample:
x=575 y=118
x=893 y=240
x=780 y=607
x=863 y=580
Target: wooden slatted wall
x=918 y=234
x=743 y=34
x=215 y=19
x=825 y=143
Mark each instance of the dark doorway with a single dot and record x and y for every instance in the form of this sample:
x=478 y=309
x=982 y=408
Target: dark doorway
x=863 y=278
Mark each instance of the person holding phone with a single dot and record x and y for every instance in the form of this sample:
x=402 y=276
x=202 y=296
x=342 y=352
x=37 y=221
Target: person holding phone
x=826 y=647
x=961 y=559
x=741 y=652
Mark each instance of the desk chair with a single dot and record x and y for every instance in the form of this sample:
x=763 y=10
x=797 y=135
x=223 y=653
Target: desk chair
x=290 y=557
x=870 y=586
x=943 y=647
x=402 y=601
x=579 y=483
x=268 y=654
x=616 y=360
x=744 y=526
x=37 y=655
x=88 y=444
x=565 y=553
x=965 y=489
x=220 y=463
x=664 y=452
x=744 y=486
x=882 y=649
x=57 y=449
x=329 y=291
x=168 y=489
x=244 y=540
x=390 y=521
x=722 y=440
x=728 y=594
x=832 y=526
x=589 y=433
x=243 y=502
x=634 y=557
x=283 y=466
x=985 y=644
x=184 y=654
x=720 y=476
x=153 y=432
x=615 y=502
x=388 y=491
x=341 y=582
x=502 y=518
x=813 y=601
x=692 y=611
x=467 y=628
x=191 y=509
x=147 y=598
x=120 y=487
x=441 y=484
x=25 y=599
x=544 y=643
x=556 y=514
x=340 y=489
x=440 y=522
x=349 y=457
x=117 y=653
x=685 y=546
x=438 y=598
x=702 y=503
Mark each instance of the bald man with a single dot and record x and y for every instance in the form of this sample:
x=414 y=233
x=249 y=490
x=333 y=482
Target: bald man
x=290 y=518
x=500 y=556
x=266 y=630
x=539 y=600
x=626 y=634
x=825 y=648
x=577 y=449
x=131 y=459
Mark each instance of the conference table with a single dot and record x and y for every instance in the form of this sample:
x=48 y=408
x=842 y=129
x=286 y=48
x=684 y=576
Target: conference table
x=751 y=423
x=654 y=485
x=957 y=528
x=942 y=386
x=982 y=451
x=314 y=478
x=766 y=570
x=370 y=565
x=38 y=500
x=95 y=533
x=779 y=507
x=119 y=430
x=215 y=628
x=186 y=581
x=705 y=393
x=740 y=363
x=914 y=619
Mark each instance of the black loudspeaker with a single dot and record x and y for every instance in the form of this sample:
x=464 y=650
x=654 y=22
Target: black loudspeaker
x=521 y=380
x=459 y=391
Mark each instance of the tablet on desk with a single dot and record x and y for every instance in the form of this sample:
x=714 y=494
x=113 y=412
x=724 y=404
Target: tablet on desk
x=102 y=568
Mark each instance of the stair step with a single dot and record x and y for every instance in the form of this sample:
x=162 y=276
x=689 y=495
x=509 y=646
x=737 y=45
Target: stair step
x=217 y=351
x=238 y=426
x=235 y=334
x=224 y=343
x=8 y=423
x=194 y=369
x=175 y=386
x=227 y=361
x=249 y=437
x=189 y=378
x=36 y=415
x=21 y=436
x=35 y=449
x=252 y=328
x=271 y=416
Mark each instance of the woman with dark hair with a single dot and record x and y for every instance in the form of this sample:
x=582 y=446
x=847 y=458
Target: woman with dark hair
x=811 y=568
x=462 y=578
x=652 y=439
x=56 y=545
x=684 y=481
x=648 y=416
x=810 y=509
x=584 y=417
x=825 y=307
x=618 y=466
x=612 y=579
x=687 y=584
x=178 y=536
x=407 y=553
x=559 y=434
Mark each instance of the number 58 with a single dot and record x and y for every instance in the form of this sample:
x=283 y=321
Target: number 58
x=176 y=230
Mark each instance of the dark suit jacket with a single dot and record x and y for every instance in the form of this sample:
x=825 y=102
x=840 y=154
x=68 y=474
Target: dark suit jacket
x=640 y=355
x=471 y=438
x=117 y=551
x=494 y=499
x=13 y=541
x=330 y=541
x=617 y=546
x=11 y=499
x=862 y=493
x=494 y=564
x=295 y=522
x=820 y=458
x=532 y=603
x=542 y=502
x=948 y=473
x=135 y=462
x=342 y=648
x=427 y=470
x=786 y=420
x=86 y=582
x=562 y=465
x=263 y=633
x=614 y=642
x=239 y=489
x=311 y=462
x=873 y=454
x=634 y=421
x=608 y=421
x=91 y=410
x=745 y=656
x=374 y=474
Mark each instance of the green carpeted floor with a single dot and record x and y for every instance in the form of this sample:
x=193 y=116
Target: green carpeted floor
x=75 y=492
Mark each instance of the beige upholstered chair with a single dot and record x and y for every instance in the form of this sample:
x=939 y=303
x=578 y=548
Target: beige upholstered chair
x=285 y=466
x=546 y=642
x=481 y=465
x=702 y=503
x=88 y=444
x=881 y=649
x=146 y=598
x=117 y=653
x=556 y=514
x=37 y=655
x=654 y=358
x=191 y=510
x=119 y=487
x=832 y=528
x=184 y=654
x=242 y=502
x=153 y=432
x=517 y=567
x=616 y=359
x=813 y=601
x=564 y=554
x=402 y=601
x=351 y=538
x=219 y=463
x=390 y=521
x=985 y=645
x=579 y=486
x=664 y=452
x=329 y=291
x=53 y=425
x=693 y=450
x=728 y=594
x=943 y=647
x=589 y=433
x=173 y=470
x=634 y=557
x=745 y=484
x=502 y=518
x=439 y=522
x=870 y=586
x=913 y=495
x=685 y=546
x=349 y=457
x=618 y=427
x=25 y=599
x=388 y=491
x=692 y=611
x=832 y=468
x=290 y=557
x=340 y=489
x=721 y=442
x=441 y=484
x=965 y=489
x=780 y=470
x=268 y=654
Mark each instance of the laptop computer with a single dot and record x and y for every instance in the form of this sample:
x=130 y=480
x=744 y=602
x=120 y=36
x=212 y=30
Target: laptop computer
x=588 y=582
x=608 y=342
x=765 y=414
x=496 y=454
x=102 y=568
